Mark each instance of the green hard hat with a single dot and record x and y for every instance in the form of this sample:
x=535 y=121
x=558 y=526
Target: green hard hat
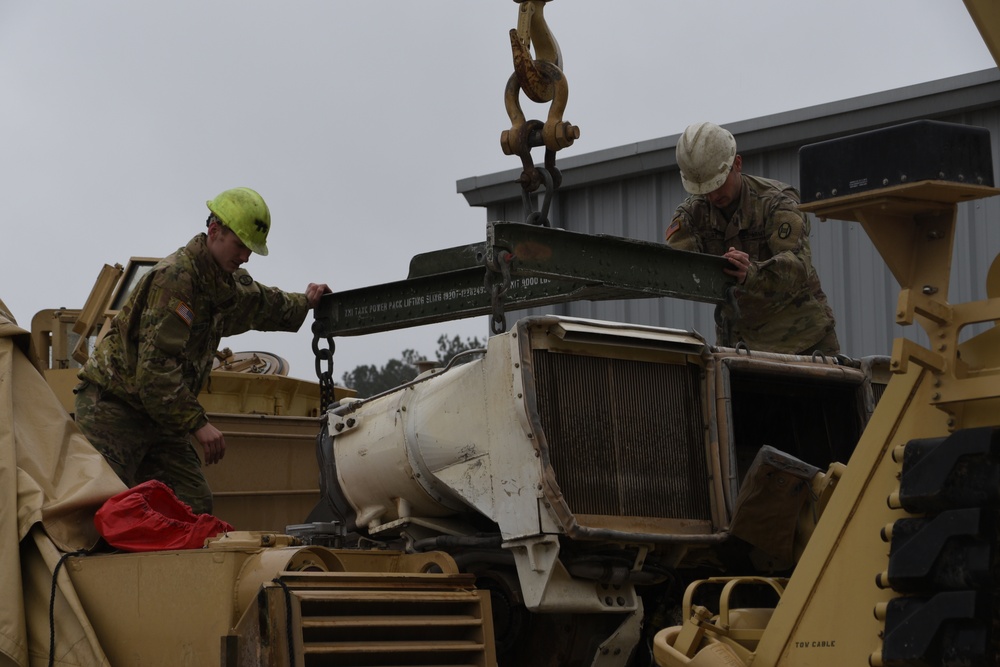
x=244 y=211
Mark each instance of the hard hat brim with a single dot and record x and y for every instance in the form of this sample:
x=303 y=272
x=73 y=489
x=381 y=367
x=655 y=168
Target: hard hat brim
x=710 y=185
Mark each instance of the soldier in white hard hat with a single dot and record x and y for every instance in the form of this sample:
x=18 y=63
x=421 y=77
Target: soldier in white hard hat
x=138 y=399
x=756 y=224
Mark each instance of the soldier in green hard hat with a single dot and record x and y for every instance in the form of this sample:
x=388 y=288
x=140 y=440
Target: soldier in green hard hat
x=137 y=401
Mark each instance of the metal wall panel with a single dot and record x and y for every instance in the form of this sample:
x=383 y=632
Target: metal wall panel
x=631 y=191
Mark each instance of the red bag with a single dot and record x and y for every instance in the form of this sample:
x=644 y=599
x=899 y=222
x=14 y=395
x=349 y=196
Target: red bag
x=149 y=517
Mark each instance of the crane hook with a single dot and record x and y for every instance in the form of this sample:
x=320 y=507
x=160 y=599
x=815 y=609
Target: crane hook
x=542 y=80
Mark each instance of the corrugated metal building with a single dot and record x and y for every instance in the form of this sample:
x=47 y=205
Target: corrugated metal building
x=632 y=190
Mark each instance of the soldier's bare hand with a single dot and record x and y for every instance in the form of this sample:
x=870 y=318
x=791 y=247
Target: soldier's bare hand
x=314 y=291
x=212 y=443
x=741 y=264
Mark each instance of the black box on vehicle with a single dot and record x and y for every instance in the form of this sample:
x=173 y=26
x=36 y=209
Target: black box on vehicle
x=917 y=151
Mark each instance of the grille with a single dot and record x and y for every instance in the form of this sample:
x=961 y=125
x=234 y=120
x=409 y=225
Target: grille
x=408 y=623
x=625 y=437
x=878 y=388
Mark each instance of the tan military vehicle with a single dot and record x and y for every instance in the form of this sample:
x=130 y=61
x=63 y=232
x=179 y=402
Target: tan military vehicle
x=257 y=596
x=578 y=493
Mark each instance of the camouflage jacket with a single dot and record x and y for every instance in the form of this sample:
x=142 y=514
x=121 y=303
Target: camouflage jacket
x=781 y=306
x=159 y=350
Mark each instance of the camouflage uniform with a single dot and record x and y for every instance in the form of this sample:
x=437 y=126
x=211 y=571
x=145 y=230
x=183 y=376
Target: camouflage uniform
x=781 y=306
x=138 y=400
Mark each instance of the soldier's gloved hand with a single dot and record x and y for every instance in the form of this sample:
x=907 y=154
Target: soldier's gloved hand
x=314 y=291
x=212 y=443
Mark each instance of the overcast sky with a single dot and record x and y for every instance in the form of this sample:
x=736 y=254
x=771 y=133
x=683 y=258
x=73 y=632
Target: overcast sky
x=354 y=120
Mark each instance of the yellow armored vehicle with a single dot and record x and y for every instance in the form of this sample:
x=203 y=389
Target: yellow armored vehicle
x=256 y=596
x=579 y=492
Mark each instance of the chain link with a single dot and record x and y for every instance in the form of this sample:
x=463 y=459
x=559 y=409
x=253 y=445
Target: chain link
x=498 y=289
x=324 y=356
x=539 y=217
x=725 y=314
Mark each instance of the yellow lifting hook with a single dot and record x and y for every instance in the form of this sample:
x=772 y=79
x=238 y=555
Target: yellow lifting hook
x=542 y=80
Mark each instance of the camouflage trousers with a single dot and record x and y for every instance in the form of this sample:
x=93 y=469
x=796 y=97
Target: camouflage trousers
x=828 y=346
x=138 y=449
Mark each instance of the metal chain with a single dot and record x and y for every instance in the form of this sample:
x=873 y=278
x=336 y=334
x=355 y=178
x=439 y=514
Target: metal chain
x=726 y=313
x=498 y=289
x=540 y=217
x=324 y=356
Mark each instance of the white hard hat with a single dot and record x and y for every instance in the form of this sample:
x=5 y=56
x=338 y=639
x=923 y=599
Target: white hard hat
x=705 y=154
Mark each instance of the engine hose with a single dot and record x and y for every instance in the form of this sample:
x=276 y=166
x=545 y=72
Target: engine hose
x=453 y=541
x=613 y=574
x=469 y=558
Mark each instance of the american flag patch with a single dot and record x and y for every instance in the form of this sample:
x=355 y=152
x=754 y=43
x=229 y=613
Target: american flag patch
x=185 y=313
x=674 y=226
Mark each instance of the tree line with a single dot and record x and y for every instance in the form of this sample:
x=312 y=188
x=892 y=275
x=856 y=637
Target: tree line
x=368 y=380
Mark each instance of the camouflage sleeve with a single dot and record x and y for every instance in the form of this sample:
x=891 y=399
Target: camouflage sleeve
x=786 y=271
x=263 y=308
x=164 y=331
x=680 y=233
